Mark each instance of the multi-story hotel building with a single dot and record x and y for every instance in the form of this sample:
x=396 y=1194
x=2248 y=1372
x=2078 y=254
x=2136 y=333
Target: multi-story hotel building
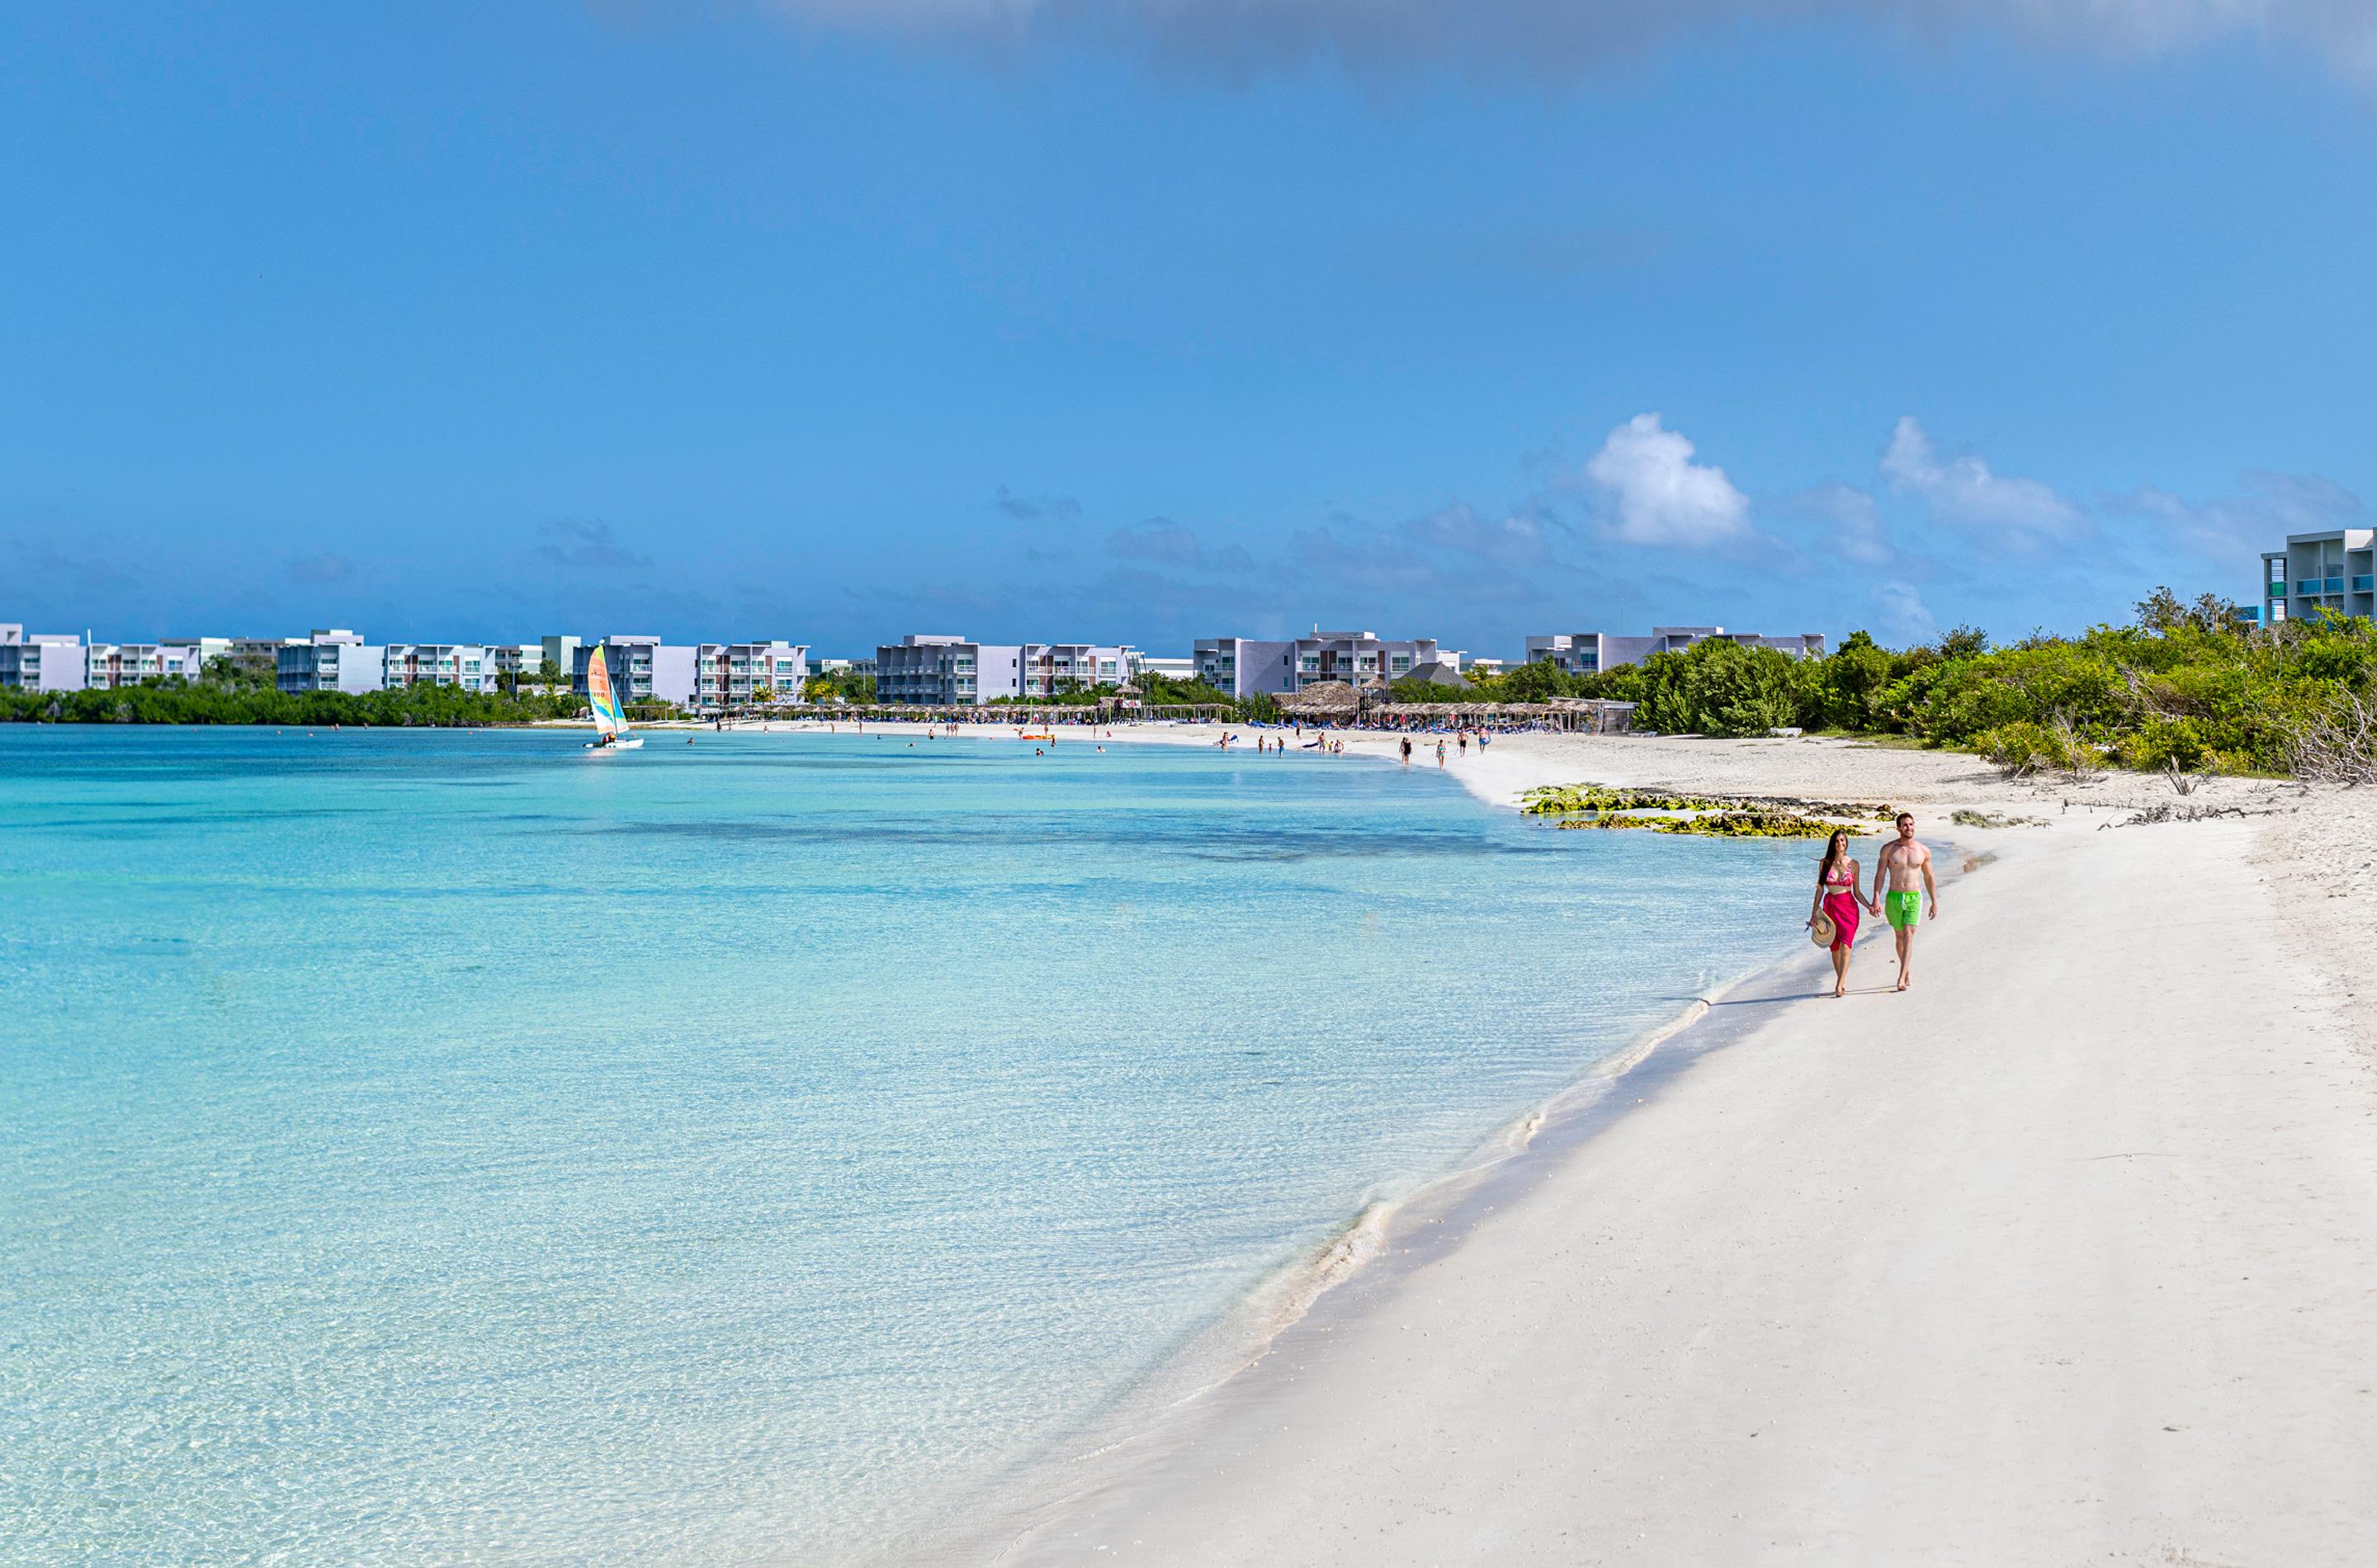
x=465 y=665
x=643 y=669
x=259 y=655
x=45 y=661
x=561 y=652
x=107 y=665
x=2334 y=570
x=517 y=662
x=330 y=659
x=1590 y=652
x=198 y=653
x=728 y=675
x=1052 y=669
x=1244 y=665
x=930 y=670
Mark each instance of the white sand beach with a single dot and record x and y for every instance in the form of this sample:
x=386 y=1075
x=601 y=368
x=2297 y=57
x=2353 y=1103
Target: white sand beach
x=2068 y=1256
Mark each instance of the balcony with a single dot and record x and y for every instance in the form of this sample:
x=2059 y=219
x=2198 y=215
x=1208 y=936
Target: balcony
x=2364 y=583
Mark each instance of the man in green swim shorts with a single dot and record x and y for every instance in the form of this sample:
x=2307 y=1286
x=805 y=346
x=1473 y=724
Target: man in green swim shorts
x=1902 y=864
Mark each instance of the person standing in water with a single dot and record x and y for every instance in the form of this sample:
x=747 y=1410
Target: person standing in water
x=1839 y=891
x=1406 y=746
x=1903 y=864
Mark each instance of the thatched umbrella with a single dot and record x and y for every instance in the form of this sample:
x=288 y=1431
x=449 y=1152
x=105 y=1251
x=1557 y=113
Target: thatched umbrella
x=1324 y=699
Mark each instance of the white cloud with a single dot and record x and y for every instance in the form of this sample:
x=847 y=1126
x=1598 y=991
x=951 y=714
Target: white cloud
x=1964 y=489
x=1858 y=531
x=1905 y=616
x=2272 y=506
x=1514 y=540
x=1659 y=494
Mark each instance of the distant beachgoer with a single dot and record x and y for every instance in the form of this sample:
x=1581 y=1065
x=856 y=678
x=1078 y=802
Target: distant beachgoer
x=1440 y=751
x=1839 y=891
x=1406 y=744
x=1904 y=863
x=1464 y=743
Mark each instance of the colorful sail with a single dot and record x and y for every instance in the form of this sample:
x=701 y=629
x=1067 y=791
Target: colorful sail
x=610 y=719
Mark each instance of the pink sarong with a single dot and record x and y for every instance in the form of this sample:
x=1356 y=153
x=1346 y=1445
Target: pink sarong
x=1843 y=907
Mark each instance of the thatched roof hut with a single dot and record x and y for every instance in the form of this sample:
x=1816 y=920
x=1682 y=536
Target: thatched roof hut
x=1328 y=698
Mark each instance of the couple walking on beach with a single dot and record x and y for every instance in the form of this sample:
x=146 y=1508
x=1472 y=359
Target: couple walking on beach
x=1840 y=889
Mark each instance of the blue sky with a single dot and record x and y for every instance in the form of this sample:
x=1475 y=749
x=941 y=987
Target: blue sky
x=1161 y=318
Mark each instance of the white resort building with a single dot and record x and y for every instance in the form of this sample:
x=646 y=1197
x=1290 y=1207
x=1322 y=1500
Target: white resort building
x=642 y=669
x=107 y=665
x=2333 y=570
x=44 y=660
x=330 y=659
x=928 y=669
x=1052 y=669
x=1243 y=666
x=465 y=665
x=730 y=674
x=1590 y=652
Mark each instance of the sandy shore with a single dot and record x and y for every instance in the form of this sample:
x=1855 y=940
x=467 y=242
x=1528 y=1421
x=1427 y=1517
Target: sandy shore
x=2068 y=1256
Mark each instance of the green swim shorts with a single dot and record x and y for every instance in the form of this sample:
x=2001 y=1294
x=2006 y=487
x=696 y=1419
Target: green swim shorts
x=1901 y=908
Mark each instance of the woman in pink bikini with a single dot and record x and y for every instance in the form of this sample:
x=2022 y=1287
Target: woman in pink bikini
x=1838 y=895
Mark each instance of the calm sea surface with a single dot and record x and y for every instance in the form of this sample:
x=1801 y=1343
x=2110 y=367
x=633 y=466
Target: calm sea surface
x=440 y=1146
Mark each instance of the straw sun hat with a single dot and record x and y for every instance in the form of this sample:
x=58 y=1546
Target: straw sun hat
x=1821 y=933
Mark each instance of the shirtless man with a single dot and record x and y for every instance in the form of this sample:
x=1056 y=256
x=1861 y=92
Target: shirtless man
x=1902 y=864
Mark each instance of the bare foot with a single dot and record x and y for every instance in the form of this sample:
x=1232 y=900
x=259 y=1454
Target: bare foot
x=1902 y=982
x=1841 y=989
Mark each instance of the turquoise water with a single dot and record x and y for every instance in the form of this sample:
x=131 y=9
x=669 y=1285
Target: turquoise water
x=439 y=1145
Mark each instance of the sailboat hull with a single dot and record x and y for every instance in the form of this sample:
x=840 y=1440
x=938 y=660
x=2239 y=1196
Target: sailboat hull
x=633 y=743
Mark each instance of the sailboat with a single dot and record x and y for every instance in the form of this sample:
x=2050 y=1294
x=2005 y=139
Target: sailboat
x=610 y=719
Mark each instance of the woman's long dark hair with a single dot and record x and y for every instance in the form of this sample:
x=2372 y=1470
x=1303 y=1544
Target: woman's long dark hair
x=1838 y=845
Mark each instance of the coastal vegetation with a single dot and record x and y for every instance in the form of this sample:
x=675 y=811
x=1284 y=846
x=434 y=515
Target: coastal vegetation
x=1552 y=800
x=838 y=685
x=1594 y=806
x=1719 y=824
x=207 y=701
x=2183 y=688
x=1154 y=690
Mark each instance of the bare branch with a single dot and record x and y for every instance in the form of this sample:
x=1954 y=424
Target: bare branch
x=2338 y=746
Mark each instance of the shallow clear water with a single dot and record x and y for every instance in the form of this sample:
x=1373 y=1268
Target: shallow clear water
x=439 y=1145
